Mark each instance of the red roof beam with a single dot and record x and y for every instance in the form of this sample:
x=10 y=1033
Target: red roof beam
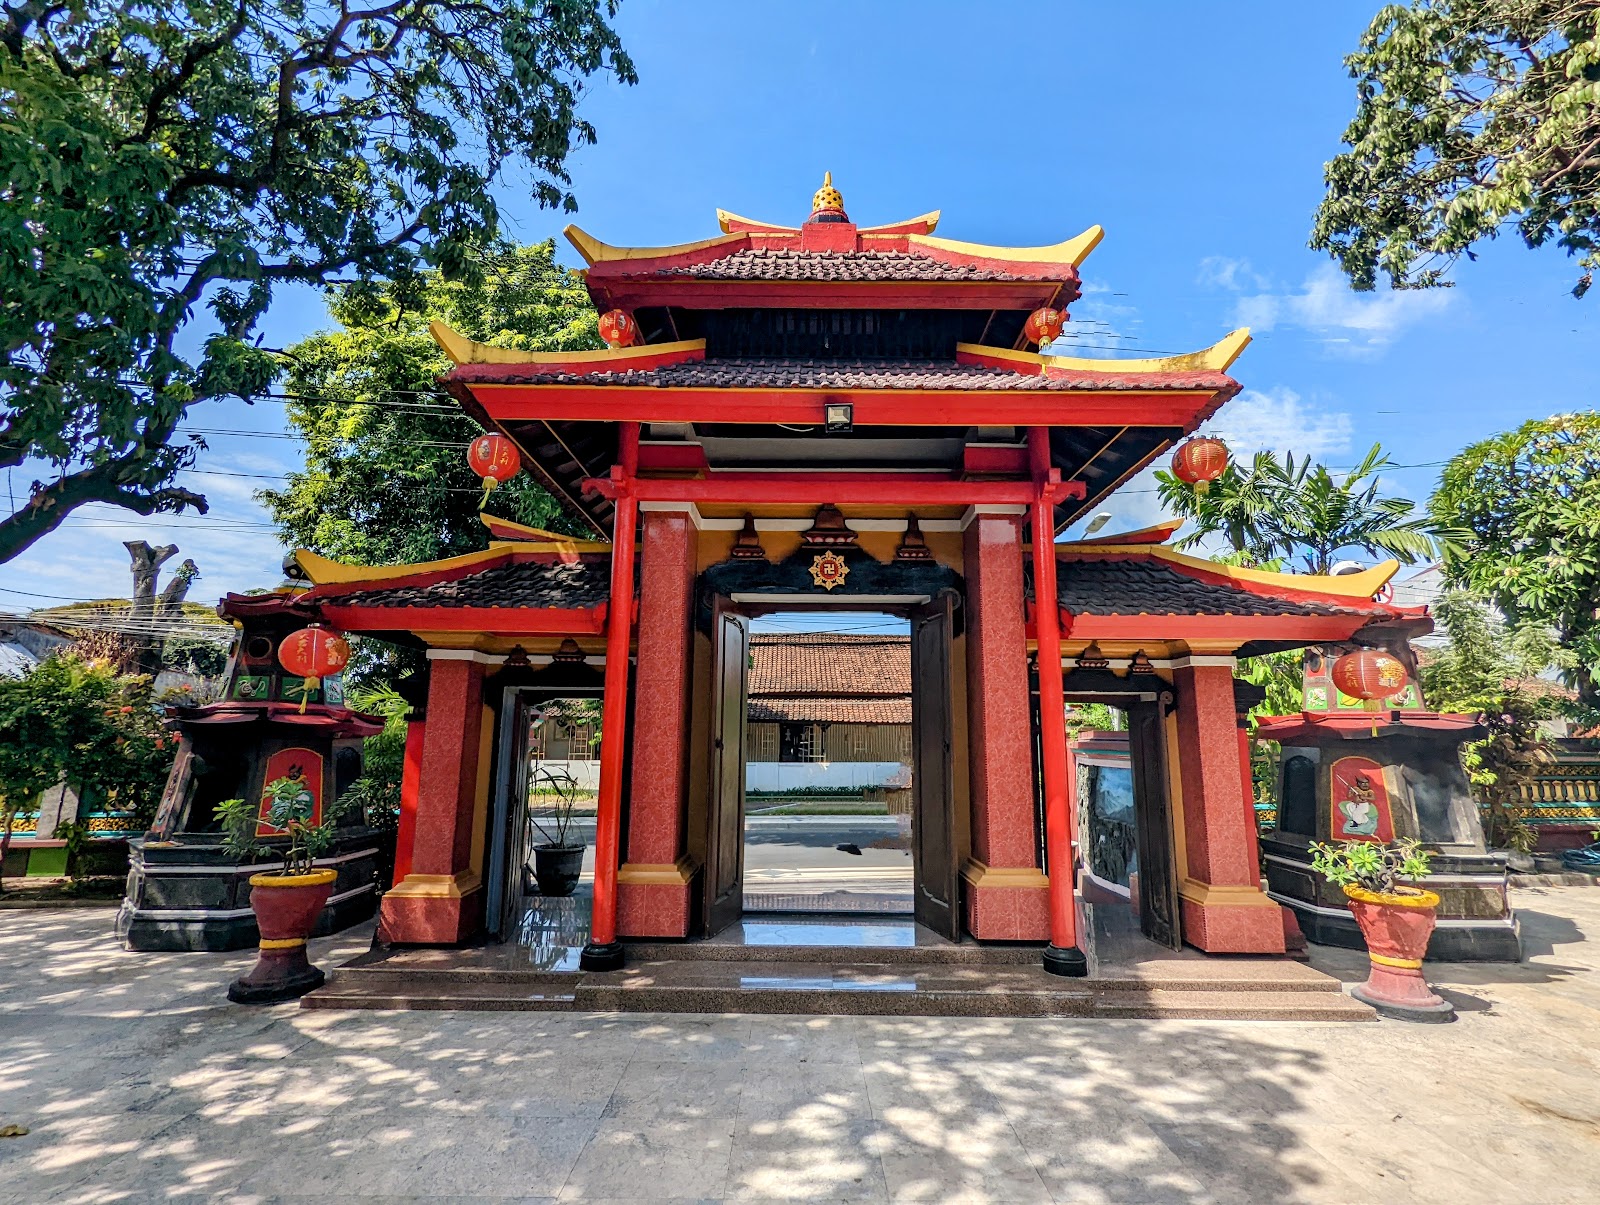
x=490 y=621
x=873 y=407
x=841 y=489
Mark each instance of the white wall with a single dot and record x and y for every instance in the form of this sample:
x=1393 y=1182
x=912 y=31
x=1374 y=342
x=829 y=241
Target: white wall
x=788 y=776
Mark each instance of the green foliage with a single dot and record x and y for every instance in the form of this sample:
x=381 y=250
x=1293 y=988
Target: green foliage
x=1092 y=717
x=73 y=720
x=1492 y=672
x=377 y=792
x=290 y=810
x=1528 y=502
x=157 y=155
x=1472 y=116
x=74 y=834
x=1370 y=864
x=1285 y=509
x=386 y=478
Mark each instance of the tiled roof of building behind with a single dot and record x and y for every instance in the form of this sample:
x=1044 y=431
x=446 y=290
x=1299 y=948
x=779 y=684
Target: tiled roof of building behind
x=772 y=709
x=830 y=667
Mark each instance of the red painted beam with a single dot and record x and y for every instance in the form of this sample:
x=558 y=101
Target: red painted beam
x=841 y=489
x=873 y=407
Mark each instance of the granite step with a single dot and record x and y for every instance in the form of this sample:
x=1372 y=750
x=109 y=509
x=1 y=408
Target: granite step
x=1244 y=991
x=1233 y=1006
x=435 y=991
x=947 y=954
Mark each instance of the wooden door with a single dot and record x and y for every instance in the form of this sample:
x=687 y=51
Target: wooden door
x=1152 y=818
x=508 y=852
x=937 y=903
x=725 y=841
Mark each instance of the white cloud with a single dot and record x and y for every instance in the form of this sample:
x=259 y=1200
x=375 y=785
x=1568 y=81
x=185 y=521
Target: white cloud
x=1278 y=420
x=1101 y=327
x=1345 y=321
x=1221 y=272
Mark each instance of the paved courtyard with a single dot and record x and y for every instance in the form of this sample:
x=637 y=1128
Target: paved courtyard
x=140 y=1082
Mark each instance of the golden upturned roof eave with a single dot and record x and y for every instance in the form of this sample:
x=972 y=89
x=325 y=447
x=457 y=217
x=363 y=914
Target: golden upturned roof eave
x=596 y=252
x=463 y=350
x=1072 y=252
x=1219 y=357
x=1354 y=586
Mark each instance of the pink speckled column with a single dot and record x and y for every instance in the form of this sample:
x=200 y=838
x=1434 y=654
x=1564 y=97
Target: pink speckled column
x=440 y=900
x=1007 y=896
x=653 y=884
x=1223 y=907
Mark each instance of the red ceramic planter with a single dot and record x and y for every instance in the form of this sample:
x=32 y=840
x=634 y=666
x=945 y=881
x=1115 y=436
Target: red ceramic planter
x=286 y=908
x=1397 y=928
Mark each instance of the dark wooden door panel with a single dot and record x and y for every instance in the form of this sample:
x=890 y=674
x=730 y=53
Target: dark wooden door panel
x=932 y=826
x=1152 y=815
x=725 y=843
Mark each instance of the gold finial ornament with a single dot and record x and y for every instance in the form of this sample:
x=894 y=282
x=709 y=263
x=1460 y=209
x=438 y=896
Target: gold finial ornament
x=827 y=198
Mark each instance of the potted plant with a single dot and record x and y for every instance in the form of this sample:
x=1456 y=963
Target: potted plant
x=1396 y=919
x=286 y=901
x=558 y=859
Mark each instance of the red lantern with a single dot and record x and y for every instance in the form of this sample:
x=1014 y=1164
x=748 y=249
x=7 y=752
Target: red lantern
x=618 y=328
x=1369 y=674
x=314 y=653
x=1200 y=461
x=1044 y=324
x=495 y=459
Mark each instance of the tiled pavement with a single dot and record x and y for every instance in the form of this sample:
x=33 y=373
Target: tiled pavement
x=141 y=1083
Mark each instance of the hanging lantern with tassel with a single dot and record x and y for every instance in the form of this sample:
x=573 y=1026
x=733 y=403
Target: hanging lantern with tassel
x=1199 y=462
x=1043 y=325
x=1369 y=675
x=618 y=328
x=494 y=458
x=313 y=653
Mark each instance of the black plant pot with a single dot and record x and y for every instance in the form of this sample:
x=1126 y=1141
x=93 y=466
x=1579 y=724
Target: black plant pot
x=557 y=868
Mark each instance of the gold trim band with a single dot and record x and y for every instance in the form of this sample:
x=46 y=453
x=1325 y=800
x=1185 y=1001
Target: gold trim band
x=281 y=943
x=1383 y=960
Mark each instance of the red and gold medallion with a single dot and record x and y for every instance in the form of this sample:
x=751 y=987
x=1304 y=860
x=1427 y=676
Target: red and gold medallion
x=828 y=570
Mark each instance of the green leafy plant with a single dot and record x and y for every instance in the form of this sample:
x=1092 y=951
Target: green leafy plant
x=1285 y=509
x=290 y=809
x=75 y=835
x=1371 y=864
x=1474 y=117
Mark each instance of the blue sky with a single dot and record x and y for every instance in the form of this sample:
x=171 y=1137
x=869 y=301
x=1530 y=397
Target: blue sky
x=1195 y=133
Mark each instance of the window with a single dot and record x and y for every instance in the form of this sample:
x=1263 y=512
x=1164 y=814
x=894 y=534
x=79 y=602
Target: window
x=800 y=743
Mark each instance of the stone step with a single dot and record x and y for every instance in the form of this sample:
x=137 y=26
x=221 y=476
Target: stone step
x=1233 y=1006
x=855 y=988
x=435 y=991
x=948 y=954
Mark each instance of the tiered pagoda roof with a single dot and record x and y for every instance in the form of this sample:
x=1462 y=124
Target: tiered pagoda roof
x=748 y=334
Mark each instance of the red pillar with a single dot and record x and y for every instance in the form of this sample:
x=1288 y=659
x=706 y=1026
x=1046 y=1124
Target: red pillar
x=604 y=951
x=410 y=779
x=653 y=885
x=1062 y=956
x=1223 y=907
x=1007 y=894
x=440 y=899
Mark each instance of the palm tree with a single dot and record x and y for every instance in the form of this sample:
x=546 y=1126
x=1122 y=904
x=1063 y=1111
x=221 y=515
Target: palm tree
x=1298 y=509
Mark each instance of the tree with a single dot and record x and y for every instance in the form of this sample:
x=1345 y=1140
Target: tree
x=1493 y=672
x=386 y=478
x=146 y=610
x=73 y=720
x=1472 y=116
x=1528 y=504
x=1284 y=509
x=160 y=155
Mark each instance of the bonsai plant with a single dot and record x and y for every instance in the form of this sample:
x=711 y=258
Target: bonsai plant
x=558 y=859
x=286 y=901
x=1396 y=919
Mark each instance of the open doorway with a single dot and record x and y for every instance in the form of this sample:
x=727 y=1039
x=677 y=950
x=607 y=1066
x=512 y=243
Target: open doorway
x=832 y=787
x=828 y=765
x=541 y=857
